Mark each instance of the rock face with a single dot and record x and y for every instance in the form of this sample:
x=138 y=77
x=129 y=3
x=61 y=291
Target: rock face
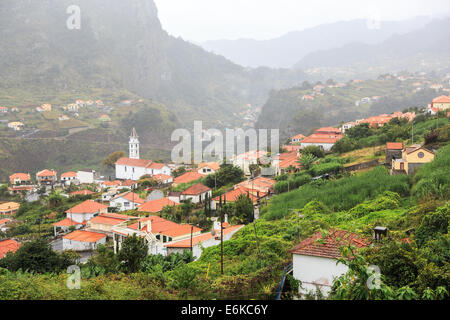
x=121 y=44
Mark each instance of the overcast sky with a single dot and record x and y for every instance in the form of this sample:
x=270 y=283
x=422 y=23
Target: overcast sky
x=201 y=20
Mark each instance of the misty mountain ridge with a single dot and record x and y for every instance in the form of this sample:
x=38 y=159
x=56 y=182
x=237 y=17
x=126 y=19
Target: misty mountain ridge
x=287 y=50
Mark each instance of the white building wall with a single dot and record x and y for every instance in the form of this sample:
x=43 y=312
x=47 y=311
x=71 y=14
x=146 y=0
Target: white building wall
x=80 y=217
x=120 y=203
x=310 y=269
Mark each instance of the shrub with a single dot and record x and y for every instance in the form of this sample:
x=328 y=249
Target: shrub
x=432 y=224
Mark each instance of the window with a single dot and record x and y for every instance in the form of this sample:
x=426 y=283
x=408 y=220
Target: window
x=421 y=155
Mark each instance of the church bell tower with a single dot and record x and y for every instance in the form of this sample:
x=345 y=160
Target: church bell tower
x=134 y=145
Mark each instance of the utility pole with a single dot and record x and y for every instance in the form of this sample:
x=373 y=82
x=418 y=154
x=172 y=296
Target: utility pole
x=221 y=237
x=412 y=131
x=192 y=230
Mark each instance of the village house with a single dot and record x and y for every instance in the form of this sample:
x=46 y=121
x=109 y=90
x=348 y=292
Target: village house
x=85 y=211
x=81 y=240
x=287 y=162
x=315 y=259
x=85 y=192
x=17 y=179
x=324 y=138
x=441 y=103
x=243 y=161
x=9 y=208
x=73 y=107
x=46 y=177
x=233 y=195
x=126 y=201
x=297 y=138
x=16 y=125
x=163 y=179
x=3 y=110
x=187 y=178
x=133 y=167
x=261 y=184
x=104 y=222
x=196 y=193
x=348 y=125
x=413 y=157
x=4 y=223
x=8 y=245
x=156 y=231
x=46 y=107
x=156 y=206
x=174 y=196
x=104 y=118
x=108 y=195
x=202 y=241
x=208 y=168
x=69 y=178
x=393 y=151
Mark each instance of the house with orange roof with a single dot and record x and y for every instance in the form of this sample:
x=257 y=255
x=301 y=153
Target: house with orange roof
x=244 y=160
x=233 y=195
x=315 y=259
x=261 y=184
x=7 y=246
x=84 y=192
x=412 y=158
x=208 y=168
x=104 y=222
x=133 y=167
x=323 y=141
x=86 y=210
x=196 y=193
x=3 y=109
x=393 y=151
x=126 y=201
x=156 y=206
x=81 y=240
x=202 y=241
x=287 y=161
x=9 y=208
x=163 y=178
x=65 y=225
x=187 y=178
x=70 y=177
x=156 y=232
x=297 y=138
x=19 y=179
x=46 y=177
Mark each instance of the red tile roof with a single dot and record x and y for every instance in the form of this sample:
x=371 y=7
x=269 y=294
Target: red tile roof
x=442 y=99
x=155 y=206
x=161 y=177
x=394 y=146
x=200 y=238
x=318 y=138
x=155 y=165
x=329 y=130
x=328 y=246
x=188 y=177
x=21 y=176
x=103 y=219
x=213 y=165
x=67 y=223
x=46 y=173
x=165 y=227
x=9 y=245
x=69 y=174
x=84 y=236
x=4 y=221
x=88 y=206
x=298 y=136
x=196 y=189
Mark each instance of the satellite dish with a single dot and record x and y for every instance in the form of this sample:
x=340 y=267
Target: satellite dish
x=155 y=195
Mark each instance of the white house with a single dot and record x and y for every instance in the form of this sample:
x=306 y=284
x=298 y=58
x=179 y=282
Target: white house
x=69 y=178
x=87 y=176
x=86 y=211
x=126 y=201
x=133 y=167
x=246 y=159
x=81 y=240
x=314 y=259
x=196 y=193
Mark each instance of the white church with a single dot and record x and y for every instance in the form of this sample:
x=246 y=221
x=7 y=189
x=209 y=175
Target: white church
x=133 y=167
